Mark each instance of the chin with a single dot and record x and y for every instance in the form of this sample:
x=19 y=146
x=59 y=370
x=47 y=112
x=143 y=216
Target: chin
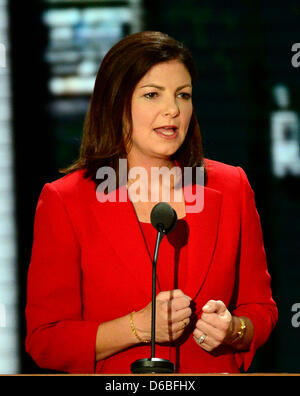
x=169 y=153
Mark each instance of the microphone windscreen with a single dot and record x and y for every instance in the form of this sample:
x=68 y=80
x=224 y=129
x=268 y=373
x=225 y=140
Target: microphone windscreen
x=165 y=216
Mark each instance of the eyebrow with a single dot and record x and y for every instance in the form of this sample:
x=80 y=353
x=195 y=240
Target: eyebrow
x=162 y=88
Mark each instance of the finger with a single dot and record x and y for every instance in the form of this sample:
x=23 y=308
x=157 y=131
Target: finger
x=171 y=317
x=178 y=293
x=211 y=318
x=221 y=322
x=211 y=331
x=180 y=303
x=170 y=295
x=216 y=306
x=181 y=315
x=210 y=306
x=221 y=307
x=208 y=344
x=180 y=326
x=177 y=328
x=165 y=295
x=204 y=345
x=178 y=320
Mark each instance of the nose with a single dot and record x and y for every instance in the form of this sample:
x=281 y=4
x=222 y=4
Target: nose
x=171 y=108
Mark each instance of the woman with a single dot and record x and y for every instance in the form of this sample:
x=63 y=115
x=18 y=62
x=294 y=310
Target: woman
x=89 y=281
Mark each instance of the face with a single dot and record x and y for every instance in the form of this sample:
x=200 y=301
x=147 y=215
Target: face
x=161 y=110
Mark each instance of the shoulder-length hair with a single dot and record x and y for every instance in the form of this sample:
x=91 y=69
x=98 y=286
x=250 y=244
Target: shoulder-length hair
x=103 y=142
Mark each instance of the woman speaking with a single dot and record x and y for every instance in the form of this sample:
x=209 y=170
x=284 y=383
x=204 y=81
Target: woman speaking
x=89 y=281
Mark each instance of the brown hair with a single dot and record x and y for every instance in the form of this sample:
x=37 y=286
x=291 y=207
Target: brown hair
x=121 y=69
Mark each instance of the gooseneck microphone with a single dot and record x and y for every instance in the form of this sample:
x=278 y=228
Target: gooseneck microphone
x=164 y=219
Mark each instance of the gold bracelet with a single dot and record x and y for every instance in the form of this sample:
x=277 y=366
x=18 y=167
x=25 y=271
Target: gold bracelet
x=241 y=332
x=134 y=330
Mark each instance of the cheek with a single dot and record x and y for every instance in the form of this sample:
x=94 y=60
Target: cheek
x=141 y=116
x=190 y=112
x=186 y=115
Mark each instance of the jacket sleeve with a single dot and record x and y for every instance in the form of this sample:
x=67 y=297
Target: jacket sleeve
x=254 y=297
x=57 y=336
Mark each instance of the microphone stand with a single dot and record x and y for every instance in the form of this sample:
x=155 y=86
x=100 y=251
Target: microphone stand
x=153 y=365
x=159 y=238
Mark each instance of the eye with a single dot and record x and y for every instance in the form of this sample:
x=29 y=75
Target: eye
x=151 y=95
x=185 y=95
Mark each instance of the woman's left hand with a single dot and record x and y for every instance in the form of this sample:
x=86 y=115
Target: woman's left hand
x=215 y=326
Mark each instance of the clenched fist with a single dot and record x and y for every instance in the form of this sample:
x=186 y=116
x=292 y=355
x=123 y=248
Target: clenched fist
x=214 y=327
x=172 y=316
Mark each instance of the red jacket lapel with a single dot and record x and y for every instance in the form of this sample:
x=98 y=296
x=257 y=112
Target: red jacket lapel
x=203 y=233
x=120 y=224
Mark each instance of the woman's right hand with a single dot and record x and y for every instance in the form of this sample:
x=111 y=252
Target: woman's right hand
x=172 y=316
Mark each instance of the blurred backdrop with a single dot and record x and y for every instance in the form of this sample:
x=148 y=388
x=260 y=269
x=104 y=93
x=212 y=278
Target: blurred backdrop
x=247 y=99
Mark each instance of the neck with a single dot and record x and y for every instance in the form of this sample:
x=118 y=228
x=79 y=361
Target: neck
x=157 y=183
x=148 y=164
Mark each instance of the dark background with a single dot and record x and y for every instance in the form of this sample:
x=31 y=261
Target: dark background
x=241 y=49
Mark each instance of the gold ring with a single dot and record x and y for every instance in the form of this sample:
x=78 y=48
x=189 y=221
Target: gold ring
x=202 y=338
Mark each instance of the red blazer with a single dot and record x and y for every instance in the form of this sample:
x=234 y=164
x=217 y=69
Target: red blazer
x=90 y=264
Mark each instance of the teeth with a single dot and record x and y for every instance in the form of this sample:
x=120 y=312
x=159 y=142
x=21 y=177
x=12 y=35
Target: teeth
x=166 y=131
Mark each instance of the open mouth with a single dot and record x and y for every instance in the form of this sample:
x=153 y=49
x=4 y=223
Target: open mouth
x=167 y=131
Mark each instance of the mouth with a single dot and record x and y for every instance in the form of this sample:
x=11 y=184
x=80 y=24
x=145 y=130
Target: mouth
x=167 y=131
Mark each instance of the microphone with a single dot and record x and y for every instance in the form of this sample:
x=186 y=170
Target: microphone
x=164 y=219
